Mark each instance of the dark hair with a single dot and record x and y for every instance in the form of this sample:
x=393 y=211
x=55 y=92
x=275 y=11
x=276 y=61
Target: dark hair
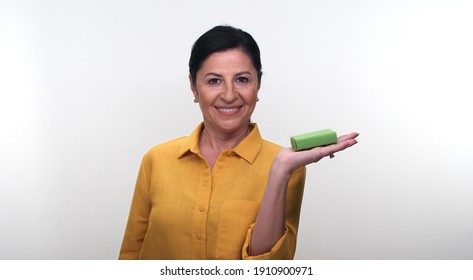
x=222 y=38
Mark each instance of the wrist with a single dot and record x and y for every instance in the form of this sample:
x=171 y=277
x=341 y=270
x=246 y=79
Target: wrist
x=280 y=170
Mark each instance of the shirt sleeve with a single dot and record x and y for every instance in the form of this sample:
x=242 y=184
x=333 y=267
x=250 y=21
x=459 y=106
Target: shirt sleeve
x=285 y=247
x=138 y=218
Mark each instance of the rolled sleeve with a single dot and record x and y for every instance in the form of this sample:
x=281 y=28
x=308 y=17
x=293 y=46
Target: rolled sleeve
x=282 y=250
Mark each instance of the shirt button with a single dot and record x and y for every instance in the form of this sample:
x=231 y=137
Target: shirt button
x=201 y=209
x=198 y=236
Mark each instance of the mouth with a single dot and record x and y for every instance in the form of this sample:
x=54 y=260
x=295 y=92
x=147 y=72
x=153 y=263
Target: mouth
x=228 y=110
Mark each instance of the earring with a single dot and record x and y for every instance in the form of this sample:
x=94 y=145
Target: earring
x=257 y=99
x=196 y=101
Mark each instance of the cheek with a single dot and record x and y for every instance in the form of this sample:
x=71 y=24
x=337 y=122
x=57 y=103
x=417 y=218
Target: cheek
x=252 y=95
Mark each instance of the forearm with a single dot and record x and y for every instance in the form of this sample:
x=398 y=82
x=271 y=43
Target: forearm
x=270 y=222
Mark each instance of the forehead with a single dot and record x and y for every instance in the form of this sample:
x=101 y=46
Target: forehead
x=228 y=60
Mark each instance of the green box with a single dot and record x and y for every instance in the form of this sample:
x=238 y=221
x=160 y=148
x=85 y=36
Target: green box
x=313 y=139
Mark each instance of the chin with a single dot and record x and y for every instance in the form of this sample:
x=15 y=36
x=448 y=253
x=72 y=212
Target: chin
x=233 y=126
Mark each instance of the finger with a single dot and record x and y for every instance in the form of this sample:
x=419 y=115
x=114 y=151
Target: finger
x=332 y=149
x=345 y=137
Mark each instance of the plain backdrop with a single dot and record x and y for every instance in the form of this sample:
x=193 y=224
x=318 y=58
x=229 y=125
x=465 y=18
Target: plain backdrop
x=87 y=87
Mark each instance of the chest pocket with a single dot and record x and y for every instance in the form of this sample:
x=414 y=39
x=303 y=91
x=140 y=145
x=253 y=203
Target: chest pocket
x=236 y=217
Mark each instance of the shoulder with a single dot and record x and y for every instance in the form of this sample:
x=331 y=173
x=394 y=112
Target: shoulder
x=175 y=148
x=268 y=146
x=166 y=149
x=271 y=145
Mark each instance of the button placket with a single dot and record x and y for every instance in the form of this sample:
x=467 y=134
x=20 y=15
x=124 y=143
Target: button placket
x=199 y=228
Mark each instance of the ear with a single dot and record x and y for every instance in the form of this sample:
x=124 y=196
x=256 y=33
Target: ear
x=193 y=88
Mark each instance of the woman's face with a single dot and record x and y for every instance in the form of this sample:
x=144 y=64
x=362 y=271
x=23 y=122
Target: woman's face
x=226 y=87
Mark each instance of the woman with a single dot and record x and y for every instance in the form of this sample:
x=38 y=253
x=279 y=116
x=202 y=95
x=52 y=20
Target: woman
x=223 y=192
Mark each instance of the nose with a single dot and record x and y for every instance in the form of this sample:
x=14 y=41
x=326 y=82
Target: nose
x=230 y=93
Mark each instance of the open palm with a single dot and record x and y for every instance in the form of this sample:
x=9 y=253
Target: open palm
x=291 y=160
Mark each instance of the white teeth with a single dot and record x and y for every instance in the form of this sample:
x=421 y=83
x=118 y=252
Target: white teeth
x=228 y=110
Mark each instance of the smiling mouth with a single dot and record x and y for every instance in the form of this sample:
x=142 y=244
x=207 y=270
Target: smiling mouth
x=228 y=110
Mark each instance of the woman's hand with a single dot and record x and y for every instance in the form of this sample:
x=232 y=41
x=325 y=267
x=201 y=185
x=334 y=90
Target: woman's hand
x=271 y=219
x=289 y=160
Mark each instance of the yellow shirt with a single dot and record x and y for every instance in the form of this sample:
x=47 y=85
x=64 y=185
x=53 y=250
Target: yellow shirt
x=183 y=210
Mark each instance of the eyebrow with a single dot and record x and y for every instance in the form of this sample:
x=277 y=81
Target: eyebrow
x=219 y=75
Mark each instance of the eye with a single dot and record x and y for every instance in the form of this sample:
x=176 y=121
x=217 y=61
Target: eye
x=214 y=81
x=242 y=80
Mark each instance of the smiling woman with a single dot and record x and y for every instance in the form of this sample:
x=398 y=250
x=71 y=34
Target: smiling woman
x=226 y=88
x=223 y=192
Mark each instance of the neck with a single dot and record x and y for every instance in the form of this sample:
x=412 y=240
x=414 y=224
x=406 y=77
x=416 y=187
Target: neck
x=211 y=140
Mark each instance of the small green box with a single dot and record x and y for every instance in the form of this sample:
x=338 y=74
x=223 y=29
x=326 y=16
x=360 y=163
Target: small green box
x=313 y=139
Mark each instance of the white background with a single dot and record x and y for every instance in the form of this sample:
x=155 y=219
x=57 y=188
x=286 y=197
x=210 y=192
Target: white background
x=87 y=87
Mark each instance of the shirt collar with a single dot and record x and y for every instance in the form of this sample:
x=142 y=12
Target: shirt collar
x=248 y=149
x=192 y=142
